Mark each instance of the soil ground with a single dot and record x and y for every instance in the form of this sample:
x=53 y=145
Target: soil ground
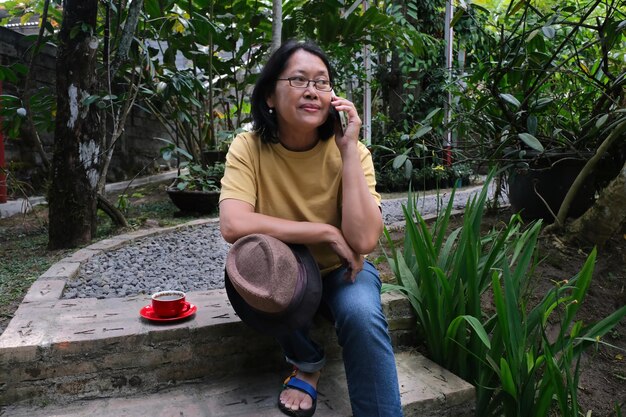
x=603 y=383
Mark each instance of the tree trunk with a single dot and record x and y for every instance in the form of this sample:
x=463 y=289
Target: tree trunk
x=396 y=90
x=77 y=149
x=605 y=218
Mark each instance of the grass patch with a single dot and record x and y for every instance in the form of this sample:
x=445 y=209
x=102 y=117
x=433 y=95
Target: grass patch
x=24 y=239
x=25 y=257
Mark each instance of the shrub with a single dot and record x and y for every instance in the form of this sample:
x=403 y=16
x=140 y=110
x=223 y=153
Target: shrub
x=516 y=369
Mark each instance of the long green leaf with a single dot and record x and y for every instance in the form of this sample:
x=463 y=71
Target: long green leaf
x=599 y=329
x=474 y=324
x=507 y=378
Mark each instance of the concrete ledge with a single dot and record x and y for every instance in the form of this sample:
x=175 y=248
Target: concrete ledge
x=57 y=351
x=44 y=290
x=62 y=270
x=63 y=350
x=426 y=391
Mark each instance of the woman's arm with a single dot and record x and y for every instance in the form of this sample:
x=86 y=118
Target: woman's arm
x=238 y=219
x=361 y=220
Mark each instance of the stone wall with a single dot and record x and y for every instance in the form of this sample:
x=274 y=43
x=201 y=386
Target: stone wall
x=136 y=151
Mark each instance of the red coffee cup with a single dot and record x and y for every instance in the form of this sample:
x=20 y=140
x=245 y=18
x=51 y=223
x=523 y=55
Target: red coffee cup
x=169 y=303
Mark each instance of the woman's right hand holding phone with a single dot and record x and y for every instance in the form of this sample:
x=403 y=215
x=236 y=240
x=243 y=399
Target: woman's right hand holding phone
x=350 y=134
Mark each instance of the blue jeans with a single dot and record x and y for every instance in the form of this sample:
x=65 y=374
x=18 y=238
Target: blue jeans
x=362 y=333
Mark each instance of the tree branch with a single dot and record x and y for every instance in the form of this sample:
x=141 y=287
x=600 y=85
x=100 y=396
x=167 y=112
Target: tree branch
x=112 y=211
x=127 y=35
x=27 y=82
x=584 y=173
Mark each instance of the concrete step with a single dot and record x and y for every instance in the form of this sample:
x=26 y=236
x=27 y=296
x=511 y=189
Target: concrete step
x=100 y=358
x=426 y=390
x=57 y=350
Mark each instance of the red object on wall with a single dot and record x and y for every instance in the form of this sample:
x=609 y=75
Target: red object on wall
x=3 y=177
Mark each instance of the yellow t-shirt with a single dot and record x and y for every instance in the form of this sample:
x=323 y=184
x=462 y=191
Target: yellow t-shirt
x=299 y=186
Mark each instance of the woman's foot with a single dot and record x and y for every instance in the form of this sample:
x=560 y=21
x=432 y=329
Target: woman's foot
x=298 y=400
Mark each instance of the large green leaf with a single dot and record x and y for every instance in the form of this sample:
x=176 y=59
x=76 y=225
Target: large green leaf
x=531 y=141
x=509 y=98
x=548 y=32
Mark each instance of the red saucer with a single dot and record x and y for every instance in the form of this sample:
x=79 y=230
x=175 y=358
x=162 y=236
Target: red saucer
x=147 y=313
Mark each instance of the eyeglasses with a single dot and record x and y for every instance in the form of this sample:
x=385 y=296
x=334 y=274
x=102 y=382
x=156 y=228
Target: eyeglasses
x=301 y=82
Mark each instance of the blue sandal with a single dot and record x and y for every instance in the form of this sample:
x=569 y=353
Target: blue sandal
x=296 y=383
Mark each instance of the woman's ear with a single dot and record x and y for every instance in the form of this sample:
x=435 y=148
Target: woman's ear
x=270 y=101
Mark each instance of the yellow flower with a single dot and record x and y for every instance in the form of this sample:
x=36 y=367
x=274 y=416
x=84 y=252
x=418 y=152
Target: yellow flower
x=439 y=168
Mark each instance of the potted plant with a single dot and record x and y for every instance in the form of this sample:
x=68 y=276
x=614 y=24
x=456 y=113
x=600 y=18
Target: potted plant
x=543 y=98
x=197 y=87
x=196 y=188
x=181 y=101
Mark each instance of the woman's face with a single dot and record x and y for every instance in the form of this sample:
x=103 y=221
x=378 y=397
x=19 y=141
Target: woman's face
x=301 y=108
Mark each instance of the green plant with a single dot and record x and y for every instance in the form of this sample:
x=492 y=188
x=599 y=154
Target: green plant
x=14 y=111
x=443 y=277
x=123 y=201
x=517 y=369
x=552 y=79
x=536 y=372
x=416 y=148
x=462 y=170
x=193 y=175
x=203 y=103
x=201 y=178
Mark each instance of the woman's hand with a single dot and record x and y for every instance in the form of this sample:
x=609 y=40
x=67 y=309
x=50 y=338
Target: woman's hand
x=352 y=130
x=351 y=259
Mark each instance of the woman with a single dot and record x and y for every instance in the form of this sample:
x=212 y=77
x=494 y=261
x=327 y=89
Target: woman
x=298 y=179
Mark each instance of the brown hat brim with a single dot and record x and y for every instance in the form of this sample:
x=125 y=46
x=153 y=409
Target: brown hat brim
x=299 y=316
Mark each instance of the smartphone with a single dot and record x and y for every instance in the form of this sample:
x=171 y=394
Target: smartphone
x=340 y=119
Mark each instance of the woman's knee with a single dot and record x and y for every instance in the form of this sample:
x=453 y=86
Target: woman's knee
x=359 y=305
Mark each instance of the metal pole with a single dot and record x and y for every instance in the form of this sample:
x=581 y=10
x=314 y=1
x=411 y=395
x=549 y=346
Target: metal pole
x=277 y=24
x=3 y=177
x=367 y=98
x=449 y=36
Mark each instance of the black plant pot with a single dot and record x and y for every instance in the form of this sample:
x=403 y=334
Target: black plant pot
x=194 y=201
x=548 y=181
x=211 y=157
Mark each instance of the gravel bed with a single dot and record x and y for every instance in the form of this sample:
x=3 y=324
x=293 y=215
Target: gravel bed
x=192 y=258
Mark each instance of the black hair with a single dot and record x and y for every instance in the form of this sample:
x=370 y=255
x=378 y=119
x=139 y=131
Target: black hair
x=266 y=123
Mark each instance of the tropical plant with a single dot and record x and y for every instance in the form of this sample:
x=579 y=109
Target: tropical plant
x=14 y=111
x=517 y=369
x=200 y=97
x=201 y=178
x=551 y=80
x=537 y=371
x=444 y=275
x=416 y=148
x=192 y=175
